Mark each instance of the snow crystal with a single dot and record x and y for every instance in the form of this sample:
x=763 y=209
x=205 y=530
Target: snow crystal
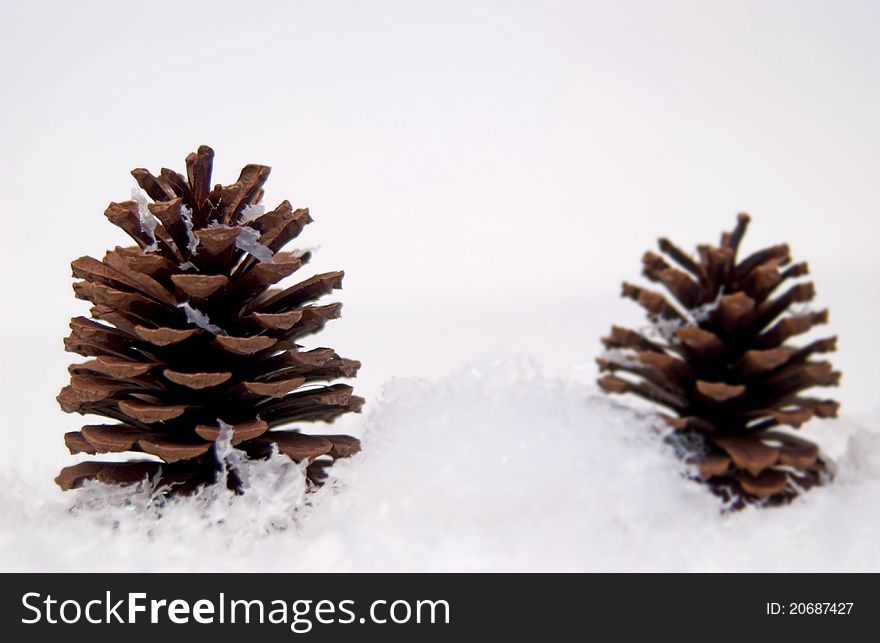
x=302 y=252
x=493 y=468
x=228 y=456
x=701 y=313
x=802 y=308
x=192 y=240
x=147 y=219
x=251 y=212
x=248 y=240
x=275 y=492
x=200 y=319
x=662 y=329
x=621 y=357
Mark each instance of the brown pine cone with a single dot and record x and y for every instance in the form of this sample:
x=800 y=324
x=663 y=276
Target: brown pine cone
x=190 y=340
x=725 y=368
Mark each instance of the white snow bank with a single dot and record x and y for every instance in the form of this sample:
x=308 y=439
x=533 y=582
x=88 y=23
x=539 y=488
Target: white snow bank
x=496 y=468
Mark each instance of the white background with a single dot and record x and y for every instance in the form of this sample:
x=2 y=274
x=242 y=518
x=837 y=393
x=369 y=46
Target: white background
x=485 y=172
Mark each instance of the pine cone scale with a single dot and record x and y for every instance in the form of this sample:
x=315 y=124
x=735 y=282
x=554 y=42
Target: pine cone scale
x=239 y=432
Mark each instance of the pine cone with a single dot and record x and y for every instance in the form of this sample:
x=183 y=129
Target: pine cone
x=190 y=341
x=723 y=366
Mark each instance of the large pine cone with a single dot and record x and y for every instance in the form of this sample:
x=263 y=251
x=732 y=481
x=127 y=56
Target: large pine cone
x=723 y=365
x=191 y=342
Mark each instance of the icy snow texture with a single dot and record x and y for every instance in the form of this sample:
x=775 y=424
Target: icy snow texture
x=200 y=319
x=496 y=468
x=701 y=313
x=620 y=357
x=251 y=212
x=248 y=239
x=147 y=219
x=192 y=242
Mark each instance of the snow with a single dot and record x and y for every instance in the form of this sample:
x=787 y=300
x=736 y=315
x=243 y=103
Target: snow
x=251 y=212
x=701 y=313
x=192 y=243
x=495 y=467
x=146 y=218
x=620 y=357
x=248 y=239
x=198 y=318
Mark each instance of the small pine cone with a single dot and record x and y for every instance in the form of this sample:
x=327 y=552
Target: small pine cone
x=724 y=368
x=191 y=342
